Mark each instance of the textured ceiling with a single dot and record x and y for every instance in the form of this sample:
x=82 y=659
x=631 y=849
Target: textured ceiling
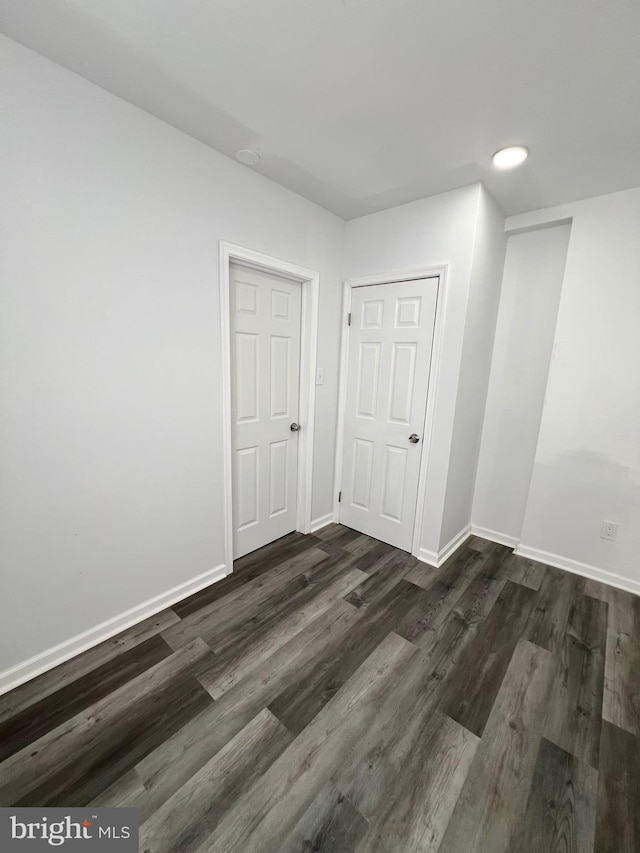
x=364 y=104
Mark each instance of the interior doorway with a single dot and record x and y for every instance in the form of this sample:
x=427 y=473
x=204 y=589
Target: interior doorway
x=266 y=312
x=386 y=386
x=269 y=311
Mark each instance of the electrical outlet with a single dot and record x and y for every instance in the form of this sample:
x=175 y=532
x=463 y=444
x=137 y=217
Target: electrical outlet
x=609 y=530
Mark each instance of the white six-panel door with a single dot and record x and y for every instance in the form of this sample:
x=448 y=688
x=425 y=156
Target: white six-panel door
x=390 y=341
x=265 y=378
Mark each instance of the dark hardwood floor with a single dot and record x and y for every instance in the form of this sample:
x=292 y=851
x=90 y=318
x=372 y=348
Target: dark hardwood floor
x=334 y=694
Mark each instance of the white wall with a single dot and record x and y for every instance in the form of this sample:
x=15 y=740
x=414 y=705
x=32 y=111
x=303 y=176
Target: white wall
x=439 y=231
x=482 y=310
x=533 y=274
x=111 y=429
x=587 y=464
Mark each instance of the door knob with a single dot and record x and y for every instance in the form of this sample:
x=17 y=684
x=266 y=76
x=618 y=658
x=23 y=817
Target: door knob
x=413 y=438
x=295 y=427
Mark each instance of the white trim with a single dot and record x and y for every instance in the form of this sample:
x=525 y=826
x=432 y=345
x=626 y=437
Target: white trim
x=577 y=568
x=494 y=536
x=454 y=544
x=397 y=276
x=342 y=396
x=429 y=557
x=440 y=272
x=437 y=559
x=319 y=523
x=36 y=665
x=429 y=418
x=310 y=281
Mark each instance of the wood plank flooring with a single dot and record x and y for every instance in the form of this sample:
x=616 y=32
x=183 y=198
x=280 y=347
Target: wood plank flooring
x=334 y=694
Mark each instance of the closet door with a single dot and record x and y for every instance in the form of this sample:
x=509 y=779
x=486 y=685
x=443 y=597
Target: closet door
x=390 y=341
x=265 y=388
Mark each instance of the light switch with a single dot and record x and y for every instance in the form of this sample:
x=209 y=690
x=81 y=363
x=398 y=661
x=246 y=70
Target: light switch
x=320 y=376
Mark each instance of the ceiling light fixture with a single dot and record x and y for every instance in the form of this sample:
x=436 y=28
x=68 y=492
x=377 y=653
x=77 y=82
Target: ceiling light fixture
x=247 y=156
x=509 y=158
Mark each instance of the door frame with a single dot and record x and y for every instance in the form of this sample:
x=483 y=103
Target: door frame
x=310 y=287
x=439 y=272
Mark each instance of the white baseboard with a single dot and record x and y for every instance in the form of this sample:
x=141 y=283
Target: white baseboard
x=36 y=665
x=436 y=559
x=429 y=557
x=584 y=569
x=494 y=536
x=321 y=522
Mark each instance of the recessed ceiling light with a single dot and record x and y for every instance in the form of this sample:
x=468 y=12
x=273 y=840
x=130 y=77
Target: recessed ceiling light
x=508 y=158
x=247 y=156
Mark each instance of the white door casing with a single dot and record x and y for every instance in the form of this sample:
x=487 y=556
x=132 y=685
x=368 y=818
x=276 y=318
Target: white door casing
x=389 y=360
x=265 y=317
